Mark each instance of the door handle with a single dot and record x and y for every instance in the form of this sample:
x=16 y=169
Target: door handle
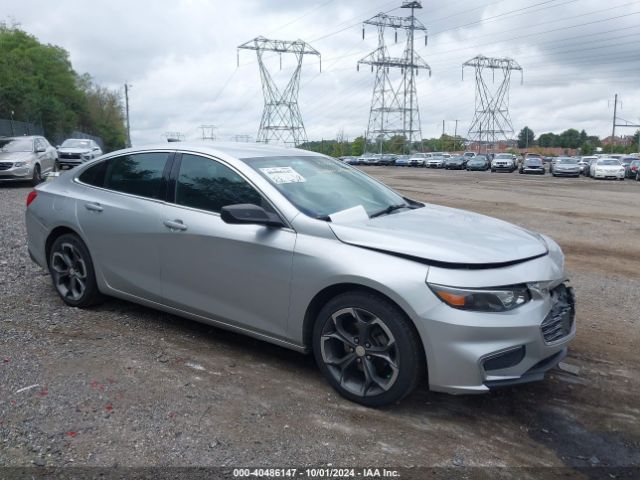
x=175 y=225
x=94 y=207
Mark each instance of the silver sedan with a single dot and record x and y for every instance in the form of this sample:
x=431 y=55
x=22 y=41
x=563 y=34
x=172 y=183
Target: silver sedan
x=298 y=249
x=26 y=159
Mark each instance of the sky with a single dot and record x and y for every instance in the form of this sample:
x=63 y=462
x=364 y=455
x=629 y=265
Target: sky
x=181 y=60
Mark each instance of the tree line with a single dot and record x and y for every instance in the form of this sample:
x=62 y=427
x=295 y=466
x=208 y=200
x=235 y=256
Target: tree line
x=573 y=139
x=39 y=85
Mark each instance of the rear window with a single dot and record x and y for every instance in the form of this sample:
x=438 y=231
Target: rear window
x=139 y=174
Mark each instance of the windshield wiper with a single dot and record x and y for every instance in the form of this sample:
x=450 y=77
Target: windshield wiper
x=389 y=209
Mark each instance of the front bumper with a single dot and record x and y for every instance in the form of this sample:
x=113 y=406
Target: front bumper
x=472 y=352
x=616 y=175
x=567 y=173
x=17 y=173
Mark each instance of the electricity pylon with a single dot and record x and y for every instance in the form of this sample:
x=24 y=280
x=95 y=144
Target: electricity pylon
x=394 y=110
x=491 y=120
x=281 y=119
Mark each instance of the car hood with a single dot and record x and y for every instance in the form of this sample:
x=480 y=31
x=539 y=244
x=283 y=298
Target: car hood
x=608 y=167
x=15 y=156
x=444 y=236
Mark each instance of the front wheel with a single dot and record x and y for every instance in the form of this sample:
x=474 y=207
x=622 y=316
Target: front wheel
x=72 y=272
x=37 y=176
x=367 y=349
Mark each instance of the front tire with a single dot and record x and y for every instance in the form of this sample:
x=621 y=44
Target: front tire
x=72 y=272
x=367 y=349
x=37 y=176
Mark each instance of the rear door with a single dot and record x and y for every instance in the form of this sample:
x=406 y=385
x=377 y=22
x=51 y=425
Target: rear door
x=237 y=274
x=120 y=211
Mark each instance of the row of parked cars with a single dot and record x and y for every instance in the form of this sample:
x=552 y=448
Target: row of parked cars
x=31 y=158
x=612 y=166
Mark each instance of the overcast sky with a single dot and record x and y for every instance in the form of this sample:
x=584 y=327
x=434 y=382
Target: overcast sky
x=180 y=58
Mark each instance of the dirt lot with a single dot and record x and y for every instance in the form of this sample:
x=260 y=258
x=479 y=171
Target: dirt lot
x=126 y=385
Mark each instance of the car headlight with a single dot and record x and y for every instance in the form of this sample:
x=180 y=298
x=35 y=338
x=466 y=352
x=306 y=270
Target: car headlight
x=498 y=299
x=21 y=164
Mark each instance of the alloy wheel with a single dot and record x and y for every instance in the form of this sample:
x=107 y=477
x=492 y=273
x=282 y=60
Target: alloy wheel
x=360 y=352
x=69 y=272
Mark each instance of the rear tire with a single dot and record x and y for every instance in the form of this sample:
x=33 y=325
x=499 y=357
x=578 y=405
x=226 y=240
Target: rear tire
x=367 y=349
x=72 y=272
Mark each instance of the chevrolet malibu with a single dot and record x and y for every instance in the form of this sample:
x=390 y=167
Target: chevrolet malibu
x=303 y=251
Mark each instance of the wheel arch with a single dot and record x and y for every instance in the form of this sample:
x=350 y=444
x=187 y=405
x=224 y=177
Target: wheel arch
x=327 y=293
x=53 y=236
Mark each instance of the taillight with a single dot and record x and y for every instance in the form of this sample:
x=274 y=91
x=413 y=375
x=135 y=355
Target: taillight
x=31 y=197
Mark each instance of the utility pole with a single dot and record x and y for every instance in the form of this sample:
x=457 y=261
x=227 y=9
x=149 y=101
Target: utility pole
x=455 y=137
x=208 y=132
x=126 y=100
x=615 y=115
x=394 y=110
x=281 y=118
x=491 y=105
x=626 y=124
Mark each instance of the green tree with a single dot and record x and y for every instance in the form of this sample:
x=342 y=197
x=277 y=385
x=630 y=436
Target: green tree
x=526 y=138
x=547 y=140
x=570 y=138
x=39 y=85
x=357 y=146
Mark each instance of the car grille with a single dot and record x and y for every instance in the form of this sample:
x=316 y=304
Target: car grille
x=559 y=322
x=5 y=165
x=75 y=156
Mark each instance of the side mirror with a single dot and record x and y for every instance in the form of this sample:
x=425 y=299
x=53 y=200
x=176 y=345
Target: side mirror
x=246 y=213
x=95 y=149
x=41 y=150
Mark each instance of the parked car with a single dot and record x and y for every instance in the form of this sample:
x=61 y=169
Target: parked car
x=75 y=151
x=626 y=161
x=435 y=162
x=503 y=162
x=532 y=165
x=298 y=249
x=479 y=162
x=27 y=158
x=592 y=161
x=419 y=159
x=455 y=163
x=632 y=169
x=565 y=166
x=402 y=160
x=469 y=155
x=351 y=160
x=585 y=162
x=608 y=168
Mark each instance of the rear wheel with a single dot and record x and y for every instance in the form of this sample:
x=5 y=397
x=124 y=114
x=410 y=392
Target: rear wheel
x=367 y=349
x=72 y=272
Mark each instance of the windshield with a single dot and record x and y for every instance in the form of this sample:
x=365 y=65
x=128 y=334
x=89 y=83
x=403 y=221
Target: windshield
x=533 y=162
x=610 y=161
x=71 y=143
x=568 y=161
x=503 y=156
x=16 y=145
x=319 y=187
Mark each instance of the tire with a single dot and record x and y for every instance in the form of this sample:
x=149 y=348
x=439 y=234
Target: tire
x=70 y=266
x=37 y=176
x=56 y=166
x=344 y=356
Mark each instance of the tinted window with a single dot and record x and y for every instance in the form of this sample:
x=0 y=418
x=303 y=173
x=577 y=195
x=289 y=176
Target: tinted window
x=94 y=175
x=208 y=185
x=138 y=174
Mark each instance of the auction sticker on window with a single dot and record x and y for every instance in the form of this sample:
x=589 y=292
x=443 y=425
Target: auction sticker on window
x=283 y=175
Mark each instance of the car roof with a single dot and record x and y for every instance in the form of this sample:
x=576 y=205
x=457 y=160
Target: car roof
x=239 y=150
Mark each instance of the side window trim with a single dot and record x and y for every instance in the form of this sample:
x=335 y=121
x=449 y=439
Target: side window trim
x=171 y=155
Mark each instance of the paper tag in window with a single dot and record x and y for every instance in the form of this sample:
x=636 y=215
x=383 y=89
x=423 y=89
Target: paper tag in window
x=283 y=175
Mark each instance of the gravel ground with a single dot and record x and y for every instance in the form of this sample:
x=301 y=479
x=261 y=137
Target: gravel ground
x=126 y=385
